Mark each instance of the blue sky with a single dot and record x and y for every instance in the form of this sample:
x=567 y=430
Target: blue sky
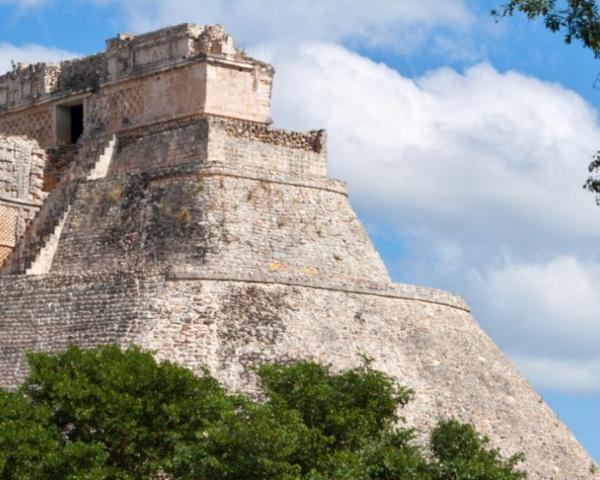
x=464 y=143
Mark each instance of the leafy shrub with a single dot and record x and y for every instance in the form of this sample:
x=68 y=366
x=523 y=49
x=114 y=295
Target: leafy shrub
x=108 y=414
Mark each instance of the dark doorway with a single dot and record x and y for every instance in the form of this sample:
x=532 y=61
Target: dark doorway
x=76 y=122
x=69 y=122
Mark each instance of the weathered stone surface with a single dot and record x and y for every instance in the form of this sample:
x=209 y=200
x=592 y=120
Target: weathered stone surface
x=138 y=81
x=182 y=222
x=21 y=173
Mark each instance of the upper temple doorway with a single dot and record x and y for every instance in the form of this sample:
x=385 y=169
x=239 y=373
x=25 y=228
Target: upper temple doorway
x=69 y=122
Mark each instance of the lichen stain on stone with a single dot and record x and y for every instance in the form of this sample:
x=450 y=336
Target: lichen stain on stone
x=310 y=271
x=114 y=194
x=276 y=266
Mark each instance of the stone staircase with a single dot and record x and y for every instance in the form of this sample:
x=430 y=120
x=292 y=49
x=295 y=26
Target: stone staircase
x=39 y=231
x=35 y=251
x=102 y=165
x=43 y=260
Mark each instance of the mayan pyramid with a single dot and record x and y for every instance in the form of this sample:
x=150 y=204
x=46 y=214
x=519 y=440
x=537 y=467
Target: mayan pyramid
x=144 y=198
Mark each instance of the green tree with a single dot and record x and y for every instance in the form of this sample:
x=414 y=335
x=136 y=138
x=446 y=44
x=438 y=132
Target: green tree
x=129 y=410
x=109 y=414
x=458 y=448
x=577 y=20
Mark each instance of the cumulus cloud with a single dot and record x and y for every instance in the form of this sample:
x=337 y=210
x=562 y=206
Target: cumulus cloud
x=479 y=174
x=559 y=297
x=30 y=53
x=376 y=22
x=562 y=375
x=502 y=153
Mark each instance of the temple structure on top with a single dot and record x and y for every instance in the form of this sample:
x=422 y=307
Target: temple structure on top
x=139 y=80
x=177 y=73
x=145 y=199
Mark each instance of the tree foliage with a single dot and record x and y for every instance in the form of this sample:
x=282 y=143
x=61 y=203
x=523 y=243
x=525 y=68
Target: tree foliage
x=108 y=414
x=578 y=20
x=593 y=182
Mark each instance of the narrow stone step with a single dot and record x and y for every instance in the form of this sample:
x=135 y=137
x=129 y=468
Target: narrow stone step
x=103 y=163
x=43 y=259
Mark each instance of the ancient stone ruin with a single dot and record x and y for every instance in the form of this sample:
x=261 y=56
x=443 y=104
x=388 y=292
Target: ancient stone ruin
x=145 y=199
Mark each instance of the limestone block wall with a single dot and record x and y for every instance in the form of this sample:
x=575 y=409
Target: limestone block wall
x=27 y=83
x=235 y=144
x=80 y=74
x=243 y=144
x=215 y=220
x=47 y=313
x=139 y=80
x=232 y=84
x=35 y=123
x=8 y=229
x=148 y=99
x=21 y=169
x=161 y=146
x=28 y=94
x=127 y=54
x=21 y=177
x=14 y=219
x=239 y=91
x=179 y=92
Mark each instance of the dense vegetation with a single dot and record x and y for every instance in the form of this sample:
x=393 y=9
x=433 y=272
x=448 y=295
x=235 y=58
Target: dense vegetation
x=113 y=414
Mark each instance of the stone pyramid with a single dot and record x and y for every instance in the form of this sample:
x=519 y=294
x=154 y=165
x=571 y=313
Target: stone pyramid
x=145 y=199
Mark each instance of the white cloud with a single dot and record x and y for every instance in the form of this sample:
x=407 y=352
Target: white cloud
x=562 y=375
x=30 y=54
x=251 y=21
x=480 y=174
x=500 y=153
x=559 y=298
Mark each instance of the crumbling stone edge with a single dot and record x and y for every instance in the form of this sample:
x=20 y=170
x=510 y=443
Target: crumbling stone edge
x=393 y=290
